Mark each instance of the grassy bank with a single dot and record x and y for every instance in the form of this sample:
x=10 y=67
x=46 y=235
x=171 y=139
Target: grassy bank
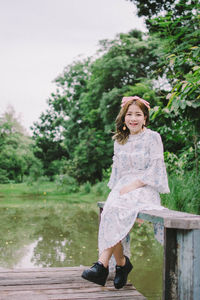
x=48 y=194
x=184 y=195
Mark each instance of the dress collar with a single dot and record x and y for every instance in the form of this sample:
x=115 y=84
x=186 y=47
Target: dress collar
x=138 y=135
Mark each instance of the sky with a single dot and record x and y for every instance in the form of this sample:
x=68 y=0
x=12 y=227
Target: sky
x=38 y=38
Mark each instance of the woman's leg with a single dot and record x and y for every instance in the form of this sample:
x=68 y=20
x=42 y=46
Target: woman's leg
x=98 y=273
x=119 y=254
x=105 y=256
x=117 y=250
x=123 y=266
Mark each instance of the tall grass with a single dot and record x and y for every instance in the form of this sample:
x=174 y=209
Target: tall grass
x=184 y=193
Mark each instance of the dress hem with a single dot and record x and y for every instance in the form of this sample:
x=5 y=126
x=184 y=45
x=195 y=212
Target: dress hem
x=115 y=243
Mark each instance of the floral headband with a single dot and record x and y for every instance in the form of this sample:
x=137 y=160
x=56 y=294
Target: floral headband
x=126 y=99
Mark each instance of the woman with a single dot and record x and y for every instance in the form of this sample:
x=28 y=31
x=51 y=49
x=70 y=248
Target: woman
x=138 y=176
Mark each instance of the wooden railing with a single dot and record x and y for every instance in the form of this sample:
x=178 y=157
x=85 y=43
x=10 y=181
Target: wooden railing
x=181 y=268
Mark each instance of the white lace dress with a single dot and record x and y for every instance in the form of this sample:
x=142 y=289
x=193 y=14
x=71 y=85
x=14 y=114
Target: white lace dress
x=140 y=158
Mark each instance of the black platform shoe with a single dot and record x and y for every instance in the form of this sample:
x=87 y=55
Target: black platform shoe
x=97 y=274
x=122 y=274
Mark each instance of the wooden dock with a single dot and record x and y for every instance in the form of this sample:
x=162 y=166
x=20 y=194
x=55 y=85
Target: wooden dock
x=57 y=284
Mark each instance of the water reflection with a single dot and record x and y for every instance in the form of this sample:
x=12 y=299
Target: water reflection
x=60 y=236
x=26 y=260
x=65 y=235
x=147 y=258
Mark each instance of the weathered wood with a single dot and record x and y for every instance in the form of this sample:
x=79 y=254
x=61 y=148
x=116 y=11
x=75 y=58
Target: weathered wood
x=168 y=218
x=182 y=264
x=170 y=279
x=58 y=283
x=181 y=272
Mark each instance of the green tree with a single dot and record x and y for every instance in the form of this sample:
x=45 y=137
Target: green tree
x=62 y=116
x=47 y=136
x=180 y=34
x=88 y=99
x=152 y=8
x=16 y=155
x=149 y=8
x=175 y=24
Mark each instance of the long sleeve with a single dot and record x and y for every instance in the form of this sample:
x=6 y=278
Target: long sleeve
x=115 y=169
x=155 y=175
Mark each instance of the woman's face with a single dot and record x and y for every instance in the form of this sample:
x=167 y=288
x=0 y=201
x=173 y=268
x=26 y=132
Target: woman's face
x=134 y=119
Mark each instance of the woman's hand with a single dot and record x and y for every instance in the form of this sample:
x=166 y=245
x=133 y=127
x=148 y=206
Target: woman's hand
x=128 y=188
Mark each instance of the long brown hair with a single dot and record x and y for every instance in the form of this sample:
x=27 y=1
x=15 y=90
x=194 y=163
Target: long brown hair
x=121 y=136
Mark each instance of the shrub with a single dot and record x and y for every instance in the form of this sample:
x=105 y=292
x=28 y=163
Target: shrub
x=3 y=176
x=66 y=183
x=85 y=188
x=101 y=189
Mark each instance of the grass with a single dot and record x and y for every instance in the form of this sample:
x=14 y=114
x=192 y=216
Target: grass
x=47 y=194
x=184 y=193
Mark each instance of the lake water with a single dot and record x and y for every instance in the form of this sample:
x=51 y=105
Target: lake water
x=64 y=235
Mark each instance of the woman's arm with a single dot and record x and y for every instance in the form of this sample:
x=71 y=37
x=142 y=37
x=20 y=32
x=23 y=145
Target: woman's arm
x=114 y=177
x=134 y=185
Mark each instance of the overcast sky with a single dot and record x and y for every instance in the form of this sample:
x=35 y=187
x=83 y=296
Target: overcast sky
x=38 y=38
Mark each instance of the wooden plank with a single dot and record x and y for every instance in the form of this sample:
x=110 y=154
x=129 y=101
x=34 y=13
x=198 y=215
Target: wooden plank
x=35 y=275
x=70 y=284
x=196 y=262
x=66 y=297
x=188 y=264
x=185 y=264
x=168 y=218
x=170 y=265
x=181 y=264
x=85 y=297
x=34 y=270
x=70 y=297
x=57 y=284
x=80 y=295
x=150 y=217
x=172 y=219
x=79 y=292
x=50 y=288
